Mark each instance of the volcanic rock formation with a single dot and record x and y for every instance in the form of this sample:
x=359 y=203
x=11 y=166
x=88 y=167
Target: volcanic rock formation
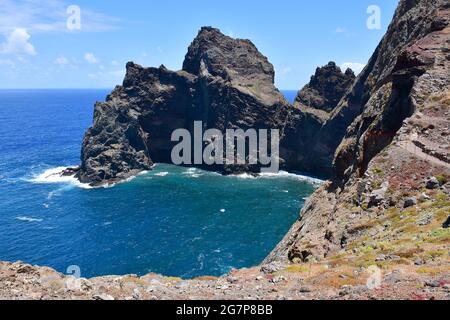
x=225 y=83
x=326 y=88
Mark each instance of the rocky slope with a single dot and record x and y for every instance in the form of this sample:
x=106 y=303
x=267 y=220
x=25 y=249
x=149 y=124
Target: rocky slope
x=383 y=200
x=20 y=281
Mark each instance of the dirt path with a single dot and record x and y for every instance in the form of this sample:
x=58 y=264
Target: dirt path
x=411 y=147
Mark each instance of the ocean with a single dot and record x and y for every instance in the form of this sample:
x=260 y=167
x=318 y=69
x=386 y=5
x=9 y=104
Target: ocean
x=175 y=221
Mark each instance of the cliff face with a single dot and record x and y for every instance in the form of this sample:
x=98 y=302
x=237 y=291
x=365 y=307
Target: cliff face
x=225 y=83
x=395 y=123
x=302 y=147
x=326 y=88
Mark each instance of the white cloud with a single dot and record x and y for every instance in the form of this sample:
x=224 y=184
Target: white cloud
x=106 y=75
x=91 y=58
x=340 y=30
x=62 y=61
x=283 y=71
x=118 y=73
x=49 y=16
x=355 y=66
x=286 y=70
x=7 y=62
x=114 y=63
x=18 y=43
x=65 y=62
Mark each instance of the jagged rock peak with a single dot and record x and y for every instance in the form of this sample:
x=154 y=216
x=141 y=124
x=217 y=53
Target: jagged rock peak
x=231 y=59
x=225 y=83
x=326 y=88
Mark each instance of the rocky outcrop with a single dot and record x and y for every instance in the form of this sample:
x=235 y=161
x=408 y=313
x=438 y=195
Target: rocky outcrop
x=326 y=88
x=401 y=96
x=302 y=147
x=225 y=83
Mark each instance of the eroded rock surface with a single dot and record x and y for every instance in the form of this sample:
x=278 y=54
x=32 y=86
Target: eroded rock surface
x=393 y=117
x=326 y=88
x=225 y=83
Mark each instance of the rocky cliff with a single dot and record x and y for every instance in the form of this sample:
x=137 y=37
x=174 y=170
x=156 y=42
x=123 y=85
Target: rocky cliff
x=326 y=88
x=389 y=195
x=225 y=83
x=302 y=146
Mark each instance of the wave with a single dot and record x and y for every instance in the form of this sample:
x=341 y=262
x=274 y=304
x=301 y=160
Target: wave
x=129 y=179
x=161 y=174
x=193 y=173
x=53 y=175
x=28 y=219
x=280 y=174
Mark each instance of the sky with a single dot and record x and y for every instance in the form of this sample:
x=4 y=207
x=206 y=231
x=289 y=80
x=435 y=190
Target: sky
x=86 y=44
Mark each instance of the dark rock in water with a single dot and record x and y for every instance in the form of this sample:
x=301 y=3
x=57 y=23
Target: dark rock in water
x=225 y=83
x=326 y=88
x=68 y=172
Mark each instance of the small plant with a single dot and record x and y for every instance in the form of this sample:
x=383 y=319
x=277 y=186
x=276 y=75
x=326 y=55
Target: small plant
x=206 y=278
x=442 y=178
x=297 y=268
x=378 y=171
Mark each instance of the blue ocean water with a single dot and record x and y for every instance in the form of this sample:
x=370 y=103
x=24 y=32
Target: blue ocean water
x=175 y=221
x=290 y=95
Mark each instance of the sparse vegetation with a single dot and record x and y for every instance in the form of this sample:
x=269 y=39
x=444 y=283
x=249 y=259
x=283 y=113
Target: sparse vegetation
x=442 y=178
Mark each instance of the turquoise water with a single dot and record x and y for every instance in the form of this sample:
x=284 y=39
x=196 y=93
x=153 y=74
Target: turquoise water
x=175 y=221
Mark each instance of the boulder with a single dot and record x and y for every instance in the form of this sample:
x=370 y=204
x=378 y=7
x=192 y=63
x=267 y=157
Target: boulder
x=433 y=183
x=410 y=202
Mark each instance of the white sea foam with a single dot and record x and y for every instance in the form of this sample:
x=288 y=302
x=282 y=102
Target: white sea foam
x=111 y=185
x=53 y=175
x=28 y=219
x=280 y=174
x=245 y=176
x=161 y=174
x=193 y=173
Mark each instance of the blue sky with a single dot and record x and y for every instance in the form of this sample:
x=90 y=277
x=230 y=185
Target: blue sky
x=37 y=50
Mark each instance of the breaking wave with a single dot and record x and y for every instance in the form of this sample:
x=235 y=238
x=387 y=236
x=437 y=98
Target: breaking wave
x=53 y=175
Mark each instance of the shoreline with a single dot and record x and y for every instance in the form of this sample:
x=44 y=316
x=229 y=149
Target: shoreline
x=58 y=175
